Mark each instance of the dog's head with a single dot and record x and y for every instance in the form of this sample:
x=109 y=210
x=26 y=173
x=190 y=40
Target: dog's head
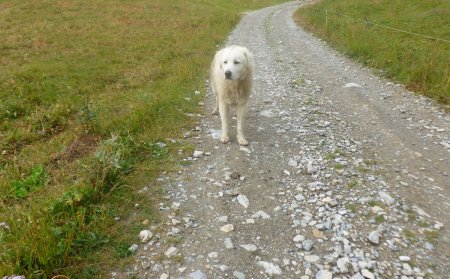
x=234 y=63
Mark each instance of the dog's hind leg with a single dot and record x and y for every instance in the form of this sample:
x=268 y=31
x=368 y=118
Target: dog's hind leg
x=241 y=112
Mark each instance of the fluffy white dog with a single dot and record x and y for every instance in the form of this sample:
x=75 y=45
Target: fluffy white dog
x=231 y=81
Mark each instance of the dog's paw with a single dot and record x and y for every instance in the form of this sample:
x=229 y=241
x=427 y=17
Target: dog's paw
x=225 y=139
x=242 y=140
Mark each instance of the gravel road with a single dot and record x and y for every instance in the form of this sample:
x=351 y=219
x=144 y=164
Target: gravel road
x=346 y=175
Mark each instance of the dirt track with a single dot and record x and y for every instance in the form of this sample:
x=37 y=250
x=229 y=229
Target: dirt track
x=327 y=166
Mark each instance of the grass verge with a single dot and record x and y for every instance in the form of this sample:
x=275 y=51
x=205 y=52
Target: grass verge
x=93 y=94
x=423 y=65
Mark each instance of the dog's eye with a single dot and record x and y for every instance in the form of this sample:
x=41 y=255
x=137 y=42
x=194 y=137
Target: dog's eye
x=225 y=62
x=236 y=62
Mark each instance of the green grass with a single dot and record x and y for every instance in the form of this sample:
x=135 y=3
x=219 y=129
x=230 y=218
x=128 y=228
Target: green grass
x=423 y=65
x=88 y=91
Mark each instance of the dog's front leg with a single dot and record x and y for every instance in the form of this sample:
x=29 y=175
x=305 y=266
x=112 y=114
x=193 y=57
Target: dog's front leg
x=224 y=117
x=241 y=112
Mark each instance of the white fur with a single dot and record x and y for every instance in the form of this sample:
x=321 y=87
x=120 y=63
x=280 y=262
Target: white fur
x=233 y=90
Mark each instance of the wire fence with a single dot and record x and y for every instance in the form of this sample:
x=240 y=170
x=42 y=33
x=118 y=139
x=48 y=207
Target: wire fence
x=370 y=23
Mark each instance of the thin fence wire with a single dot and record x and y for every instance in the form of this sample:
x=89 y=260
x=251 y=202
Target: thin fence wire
x=376 y=24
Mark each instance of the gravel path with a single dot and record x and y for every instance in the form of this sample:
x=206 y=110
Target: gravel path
x=346 y=175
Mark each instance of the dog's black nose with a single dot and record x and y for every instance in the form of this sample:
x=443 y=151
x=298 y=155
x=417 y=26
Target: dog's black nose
x=228 y=74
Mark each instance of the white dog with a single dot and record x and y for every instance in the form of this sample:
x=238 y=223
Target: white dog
x=231 y=81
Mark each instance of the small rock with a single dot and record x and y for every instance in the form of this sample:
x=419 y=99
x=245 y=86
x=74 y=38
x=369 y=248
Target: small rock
x=133 y=248
x=172 y=251
x=145 y=236
x=249 y=247
x=312 y=259
x=307 y=245
x=243 y=200
x=342 y=264
x=271 y=269
x=228 y=243
x=197 y=154
x=261 y=215
x=227 y=228
x=213 y=255
x=324 y=274
x=404 y=258
x=238 y=274
x=386 y=198
x=299 y=238
x=292 y=163
x=197 y=275
x=367 y=274
x=374 y=237
x=357 y=276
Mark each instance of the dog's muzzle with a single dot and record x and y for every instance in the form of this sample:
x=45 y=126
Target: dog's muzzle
x=228 y=74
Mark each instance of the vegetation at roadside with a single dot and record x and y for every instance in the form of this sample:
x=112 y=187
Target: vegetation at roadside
x=422 y=64
x=94 y=98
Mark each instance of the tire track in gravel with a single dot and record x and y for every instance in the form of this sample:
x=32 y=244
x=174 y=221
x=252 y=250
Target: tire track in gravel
x=327 y=166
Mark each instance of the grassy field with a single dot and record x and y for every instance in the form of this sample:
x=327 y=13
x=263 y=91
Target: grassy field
x=95 y=96
x=422 y=64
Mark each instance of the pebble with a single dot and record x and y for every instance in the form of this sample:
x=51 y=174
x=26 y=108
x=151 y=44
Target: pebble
x=367 y=274
x=374 y=237
x=243 y=200
x=228 y=243
x=197 y=154
x=298 y=238
x=145 y=236
x=172 y=251
x=133 y=248
x=238 y=274
x=324 y=274
x=197 y=275
x=270 y=268
x=312 y=259
x=307 y=245
x=227 y=228
x=249 y=247
x=261 y=215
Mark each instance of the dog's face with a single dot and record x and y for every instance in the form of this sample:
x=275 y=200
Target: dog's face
x=234 y=64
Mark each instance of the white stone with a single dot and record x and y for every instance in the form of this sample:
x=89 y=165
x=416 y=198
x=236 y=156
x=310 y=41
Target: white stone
x=342 y=264
x=352 y=84
x=292 y=163
x=386 y=198
x=324 y=274
x=404 y=258
x=243 y=200
x=312 y=259
x=133 y=248
x=271 y=269
x=249 y=247
x=227 y=228
x=367 y=274
x=145 y=236
x=238 y=274
x=228 y=243
x=197 y=275
x=164 y=276
x=298 y=238
x=223 y=219
x=172 y=251
x=197 y=154
x=213 y=255
x=357 y=276
x=374 y=237
x=261 y=215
